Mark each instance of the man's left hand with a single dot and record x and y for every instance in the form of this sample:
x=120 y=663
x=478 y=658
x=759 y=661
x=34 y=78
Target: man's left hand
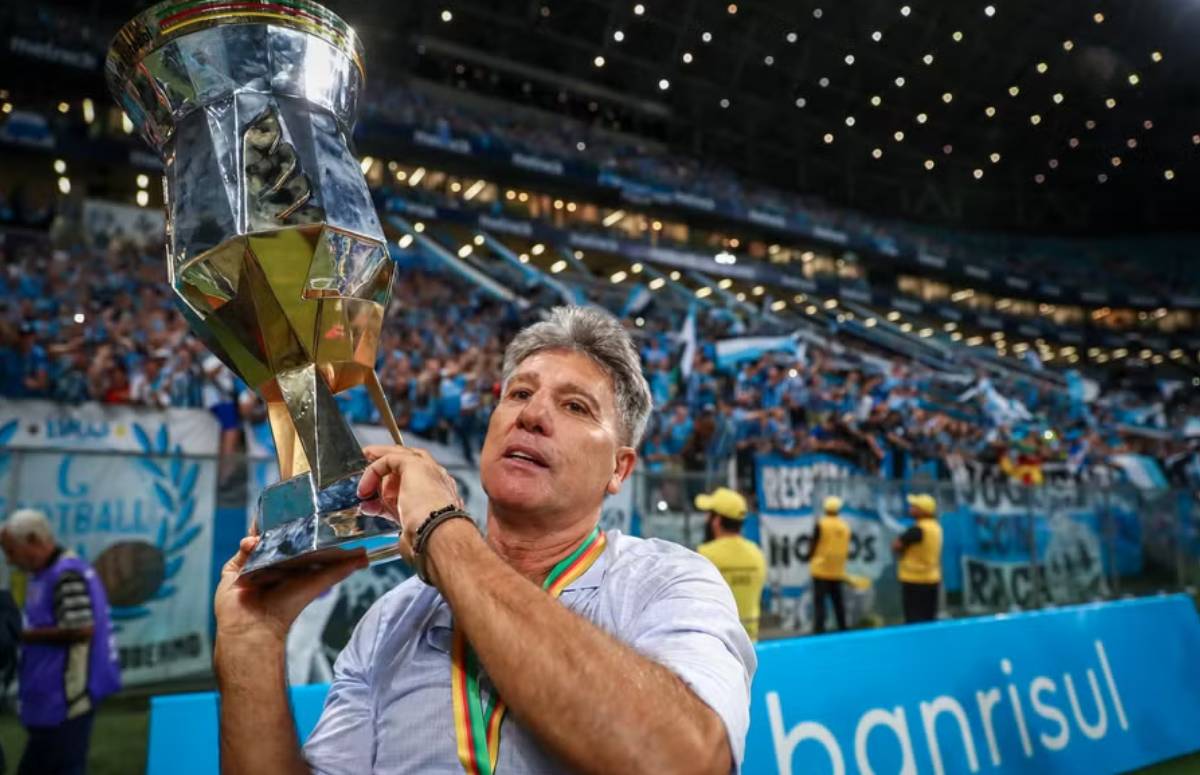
x=407 y=485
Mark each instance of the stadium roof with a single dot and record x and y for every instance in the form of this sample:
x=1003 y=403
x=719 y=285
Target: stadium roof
x=1060 y=117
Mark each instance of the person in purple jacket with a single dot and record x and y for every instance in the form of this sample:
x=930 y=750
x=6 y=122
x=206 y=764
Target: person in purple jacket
x=68 y=659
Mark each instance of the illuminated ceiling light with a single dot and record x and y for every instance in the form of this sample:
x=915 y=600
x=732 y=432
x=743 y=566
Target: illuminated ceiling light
x=1134 y=80
x=581 y=146
x=126 y=122
x=849 y=120
x=1053 y=164
x=731 y=8
x=828 y=138
x=1058 y=98
x=598 y=61
x=1014 y=91
x=687 y=57
x=989 y=111
x=618 y=35
x=877 y=153
x=778 y=306
x=89 y=110
x=922 y=118
x=636 y=268
x=876 y=36
x=1110 y=103
x=1115 y=161
x=978 y=173
x=706 y=37
x=724 y=102
x=1169 y=174
x=143 y=198
x=1073 y=142
x=558 y=266
x=60 y=166
x=474 y=189
x=906 y=327
x=447 y=16
x=417 y=176
x=768 y=60
x=1147 y=124
x=870 y=322
x=1035 y=119
x=989 y=10
x=758 y=290
x=725 y=284
x=142 y=180
x=905 y=10
x=876 y=100
x=947 y=149
x=1090 y=124
x=893 y=316
x=818 y=13
x=995 y=158
x=656 y=283
x=1039 y=178
x=823 y=82
x=664 y=84
x=418 y=227
x=900 y=81
x=1156 y=56
x=619 y=276
x=538 y=249
x=792 y=37
x=1068 y=45
x=1196 y=139
x=656 y=225
x=947 y=97
x=405 y=241
x=929 y=164
x=464 y=251
x=899 y=136
x=366 y=163
x=558 y=204
x=849 y=60
x=1103 y=178
x=639 y=9
x=927 y=59
x=957 y=36
x=1042 y=67
x=1131 y=143
x=1098 y=17
x=479 y=240
x=801 y=102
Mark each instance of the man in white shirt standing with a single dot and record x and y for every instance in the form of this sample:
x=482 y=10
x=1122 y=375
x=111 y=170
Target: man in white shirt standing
x=613 y=654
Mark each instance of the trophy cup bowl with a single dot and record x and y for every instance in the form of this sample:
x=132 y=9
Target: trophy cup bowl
x=274 y=249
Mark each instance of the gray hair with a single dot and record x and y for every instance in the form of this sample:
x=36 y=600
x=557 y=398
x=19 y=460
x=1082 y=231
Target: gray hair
x=598 y=335
x=25 y=524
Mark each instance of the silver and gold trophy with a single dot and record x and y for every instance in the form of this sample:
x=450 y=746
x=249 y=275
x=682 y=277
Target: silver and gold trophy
x=274 y=249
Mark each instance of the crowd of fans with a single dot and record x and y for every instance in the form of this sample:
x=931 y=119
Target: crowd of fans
x=100 y=324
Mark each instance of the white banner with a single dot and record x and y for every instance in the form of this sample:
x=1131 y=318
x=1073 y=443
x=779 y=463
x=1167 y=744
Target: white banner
x=121 y=492
x=787 y=541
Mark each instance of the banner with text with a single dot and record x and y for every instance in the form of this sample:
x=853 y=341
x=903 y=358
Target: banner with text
x=132 y=492
x=984 y=695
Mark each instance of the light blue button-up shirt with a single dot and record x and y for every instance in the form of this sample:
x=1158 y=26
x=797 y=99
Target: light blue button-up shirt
x=389 y=708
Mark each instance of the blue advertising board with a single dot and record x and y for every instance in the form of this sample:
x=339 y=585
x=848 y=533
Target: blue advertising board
x=1097 y=688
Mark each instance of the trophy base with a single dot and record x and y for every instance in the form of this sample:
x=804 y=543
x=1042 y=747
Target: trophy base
x=302 y=528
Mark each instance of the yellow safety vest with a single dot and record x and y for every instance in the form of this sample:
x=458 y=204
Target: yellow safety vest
x=833 y=546
x=921 y=562
x=744 y=568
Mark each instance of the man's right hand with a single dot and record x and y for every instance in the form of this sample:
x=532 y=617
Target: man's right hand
x=261 y=614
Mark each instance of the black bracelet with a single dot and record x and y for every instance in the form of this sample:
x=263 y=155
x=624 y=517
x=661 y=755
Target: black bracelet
x=421 y=540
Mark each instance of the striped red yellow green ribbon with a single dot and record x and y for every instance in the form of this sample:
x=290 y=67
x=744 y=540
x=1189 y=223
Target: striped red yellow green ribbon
x=477 y=723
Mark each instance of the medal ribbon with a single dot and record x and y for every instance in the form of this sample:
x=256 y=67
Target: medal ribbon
x=476 y=723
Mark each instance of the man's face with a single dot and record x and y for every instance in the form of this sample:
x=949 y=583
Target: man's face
x=20 y=554
x=553 y=444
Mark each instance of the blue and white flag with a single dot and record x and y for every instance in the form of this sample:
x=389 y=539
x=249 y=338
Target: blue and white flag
x=637 y=300
x=731 y=352
x=687 y=335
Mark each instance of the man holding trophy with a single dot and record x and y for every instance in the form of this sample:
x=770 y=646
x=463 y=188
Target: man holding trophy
x=614 y=654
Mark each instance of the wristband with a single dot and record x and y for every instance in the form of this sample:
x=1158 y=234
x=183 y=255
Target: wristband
x=421 y=540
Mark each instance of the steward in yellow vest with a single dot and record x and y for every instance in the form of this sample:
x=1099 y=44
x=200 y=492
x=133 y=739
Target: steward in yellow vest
x=829 y=548
x=919 y=561
x=740 y=562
